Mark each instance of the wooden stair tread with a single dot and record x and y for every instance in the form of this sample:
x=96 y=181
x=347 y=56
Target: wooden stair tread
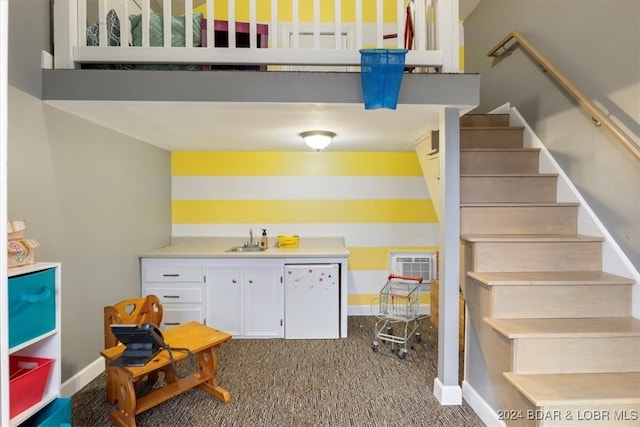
x=518 y=204
x=509 y=175
x=537 y=238
x=500 y=150
x=532 y=278
x=567 y=327
x=491 y=127
x=582 y=389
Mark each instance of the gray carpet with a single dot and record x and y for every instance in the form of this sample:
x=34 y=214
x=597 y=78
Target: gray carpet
x=305 y=383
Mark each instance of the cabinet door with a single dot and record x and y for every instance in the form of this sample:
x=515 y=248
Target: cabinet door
x=225 y=304
x=263 y=302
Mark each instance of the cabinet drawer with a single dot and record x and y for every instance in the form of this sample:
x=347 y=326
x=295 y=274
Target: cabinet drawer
x=176 y=316
x=176 y=295
x=32 y=305
x=178 y=273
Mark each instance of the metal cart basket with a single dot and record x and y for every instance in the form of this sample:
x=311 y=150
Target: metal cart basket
x=399 y=303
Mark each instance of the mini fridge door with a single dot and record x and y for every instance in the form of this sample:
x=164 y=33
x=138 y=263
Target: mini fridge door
x=312 y=301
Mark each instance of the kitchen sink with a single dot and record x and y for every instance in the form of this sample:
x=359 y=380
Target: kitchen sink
x=246 y=249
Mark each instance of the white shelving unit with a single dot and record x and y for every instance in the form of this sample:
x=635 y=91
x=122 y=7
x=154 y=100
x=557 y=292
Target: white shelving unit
x=45 y=346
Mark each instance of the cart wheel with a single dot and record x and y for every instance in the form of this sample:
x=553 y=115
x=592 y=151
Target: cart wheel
x=402 y=354
x=374 y=348
x=389 y=330
x=418 y=337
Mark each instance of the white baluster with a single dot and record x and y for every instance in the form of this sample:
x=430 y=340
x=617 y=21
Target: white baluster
x=188 y=23
x=273 y=41
x=210 y=24
x=146 y=15
x=379 y=23
x=102 y=23
x=125 y=26
x=316 y=24
x=166 y=22
x=337 y=29
x=359 y=41
x=400 y=22
x=231 y=31
x=296 y=24
x=82 y=23
x=253 y=32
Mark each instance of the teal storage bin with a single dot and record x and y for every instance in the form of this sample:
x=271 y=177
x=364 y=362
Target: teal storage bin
x=55 y=414
x=32 y=306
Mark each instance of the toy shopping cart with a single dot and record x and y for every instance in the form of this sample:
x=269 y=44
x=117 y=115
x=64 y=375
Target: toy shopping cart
x=399 y=304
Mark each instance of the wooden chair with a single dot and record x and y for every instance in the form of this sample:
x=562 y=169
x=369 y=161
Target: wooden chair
x=131 y=311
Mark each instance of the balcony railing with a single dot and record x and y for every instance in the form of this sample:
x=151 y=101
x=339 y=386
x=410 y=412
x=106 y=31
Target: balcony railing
x=269 y=33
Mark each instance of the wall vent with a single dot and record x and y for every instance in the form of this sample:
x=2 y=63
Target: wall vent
x=417 y=264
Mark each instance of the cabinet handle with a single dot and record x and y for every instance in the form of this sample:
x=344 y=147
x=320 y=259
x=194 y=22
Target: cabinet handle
x=234 y=281
x=170 y=296
x=171 y=323
x=250 y=280
x=171 y=275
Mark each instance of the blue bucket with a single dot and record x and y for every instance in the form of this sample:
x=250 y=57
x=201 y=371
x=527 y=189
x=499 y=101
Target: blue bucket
x=381 y=73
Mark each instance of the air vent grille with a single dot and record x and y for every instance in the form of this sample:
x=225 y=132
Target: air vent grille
x=414 y=264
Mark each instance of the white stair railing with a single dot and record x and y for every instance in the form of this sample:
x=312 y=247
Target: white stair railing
x=436 y=41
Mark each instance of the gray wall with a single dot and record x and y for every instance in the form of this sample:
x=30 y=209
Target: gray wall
x=596 y=44
x=93 y=198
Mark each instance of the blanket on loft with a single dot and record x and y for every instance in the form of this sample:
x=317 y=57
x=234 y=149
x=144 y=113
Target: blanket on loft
x=156 y=38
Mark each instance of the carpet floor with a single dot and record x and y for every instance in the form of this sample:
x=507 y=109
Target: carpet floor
x=279 y=382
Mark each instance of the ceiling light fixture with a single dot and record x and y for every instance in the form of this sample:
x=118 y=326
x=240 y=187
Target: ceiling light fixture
x=317 y=139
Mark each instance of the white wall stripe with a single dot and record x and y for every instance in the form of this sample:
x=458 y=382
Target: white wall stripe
x=363 y=282
x=365 y=235
x=298 y=188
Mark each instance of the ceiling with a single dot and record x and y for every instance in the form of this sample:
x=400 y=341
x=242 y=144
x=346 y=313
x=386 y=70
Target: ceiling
x=214 y=126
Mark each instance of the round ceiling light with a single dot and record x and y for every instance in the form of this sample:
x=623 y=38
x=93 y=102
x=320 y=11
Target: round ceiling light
x=318 y=139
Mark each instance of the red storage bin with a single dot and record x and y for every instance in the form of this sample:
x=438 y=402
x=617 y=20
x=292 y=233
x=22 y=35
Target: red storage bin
x=27 y=381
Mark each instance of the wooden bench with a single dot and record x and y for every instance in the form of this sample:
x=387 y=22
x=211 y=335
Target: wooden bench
x=201 y=340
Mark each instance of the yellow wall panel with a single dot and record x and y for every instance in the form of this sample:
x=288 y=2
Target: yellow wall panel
x=269 y=163
x=377 y=258
x=302 y=211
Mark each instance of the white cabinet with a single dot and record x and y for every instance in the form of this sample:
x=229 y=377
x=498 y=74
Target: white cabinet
x=246 y=298
x=243 y=296
x=263 y=302
x=225 y=307
x=180 y=286
x=33 y=331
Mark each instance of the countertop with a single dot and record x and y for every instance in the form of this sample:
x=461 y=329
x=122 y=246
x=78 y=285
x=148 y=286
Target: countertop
x=216 y=247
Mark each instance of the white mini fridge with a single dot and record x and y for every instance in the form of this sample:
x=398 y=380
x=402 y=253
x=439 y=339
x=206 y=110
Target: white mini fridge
x=312 y=301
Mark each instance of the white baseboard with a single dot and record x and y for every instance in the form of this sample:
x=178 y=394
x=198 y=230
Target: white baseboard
x=447 y=395
x=480 y=406
x=82 y=378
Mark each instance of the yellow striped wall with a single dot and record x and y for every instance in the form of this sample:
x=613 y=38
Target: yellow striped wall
x=379 y=202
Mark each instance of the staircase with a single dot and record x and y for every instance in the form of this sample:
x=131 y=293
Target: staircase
x=556 y=331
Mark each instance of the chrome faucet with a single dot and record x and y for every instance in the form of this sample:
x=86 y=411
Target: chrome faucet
x=250 y=237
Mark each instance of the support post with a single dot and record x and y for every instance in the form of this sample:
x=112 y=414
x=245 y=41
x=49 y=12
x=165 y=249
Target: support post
x=65 y=33
x=448 y=34
x=446 y=387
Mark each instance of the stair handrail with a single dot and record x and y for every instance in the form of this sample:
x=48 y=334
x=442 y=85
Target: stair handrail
x=598 y=116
